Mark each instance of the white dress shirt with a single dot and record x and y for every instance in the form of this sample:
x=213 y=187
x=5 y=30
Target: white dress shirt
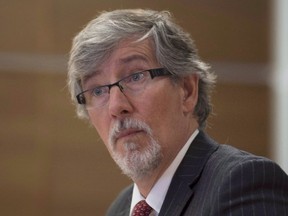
x=157 y=194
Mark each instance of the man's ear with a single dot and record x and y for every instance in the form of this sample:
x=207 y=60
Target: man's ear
x=190 y=89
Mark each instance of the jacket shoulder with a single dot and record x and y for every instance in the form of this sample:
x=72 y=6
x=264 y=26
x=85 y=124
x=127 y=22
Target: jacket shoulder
x=243 y=182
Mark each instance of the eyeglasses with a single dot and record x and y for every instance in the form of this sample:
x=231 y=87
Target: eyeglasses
x=130 y=85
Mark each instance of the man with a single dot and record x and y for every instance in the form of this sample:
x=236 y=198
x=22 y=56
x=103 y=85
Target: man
x=137 y=77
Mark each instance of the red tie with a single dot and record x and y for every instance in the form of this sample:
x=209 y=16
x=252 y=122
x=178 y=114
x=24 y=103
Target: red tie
x=142 y=209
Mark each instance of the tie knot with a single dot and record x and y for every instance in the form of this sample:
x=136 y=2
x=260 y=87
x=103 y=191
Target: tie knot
x=142 y=209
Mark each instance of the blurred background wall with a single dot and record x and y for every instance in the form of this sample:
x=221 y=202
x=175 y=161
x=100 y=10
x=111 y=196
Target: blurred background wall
x=51 y=163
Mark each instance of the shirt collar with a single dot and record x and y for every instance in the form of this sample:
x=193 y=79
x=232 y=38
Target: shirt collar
x=157 y=194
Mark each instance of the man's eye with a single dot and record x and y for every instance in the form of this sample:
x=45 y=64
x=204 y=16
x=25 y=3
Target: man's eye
x=137 y=76
x=98 y=91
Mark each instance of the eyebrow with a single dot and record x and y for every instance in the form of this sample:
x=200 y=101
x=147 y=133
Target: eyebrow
x=132 y=58
x=124 y=60
x=85 y=78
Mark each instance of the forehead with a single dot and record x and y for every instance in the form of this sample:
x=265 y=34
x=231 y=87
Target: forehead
x=130 y=50
x=129 y=54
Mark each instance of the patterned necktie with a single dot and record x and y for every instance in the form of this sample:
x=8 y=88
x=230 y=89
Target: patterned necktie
x=142 y=209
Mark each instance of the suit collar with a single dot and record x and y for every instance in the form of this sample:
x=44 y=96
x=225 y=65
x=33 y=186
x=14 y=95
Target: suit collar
x=187 y=174
x=125 y=211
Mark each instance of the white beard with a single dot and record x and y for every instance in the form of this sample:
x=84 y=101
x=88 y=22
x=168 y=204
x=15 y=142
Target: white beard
x=134 y=163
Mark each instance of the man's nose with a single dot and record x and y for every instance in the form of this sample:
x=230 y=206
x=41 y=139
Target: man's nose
x=119 y=103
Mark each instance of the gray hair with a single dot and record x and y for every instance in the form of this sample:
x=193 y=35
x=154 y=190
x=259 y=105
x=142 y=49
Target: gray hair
x=174 y=50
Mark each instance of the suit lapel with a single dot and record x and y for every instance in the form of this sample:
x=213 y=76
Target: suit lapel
x=121 y=206
x=125 y=212
x=181 y=188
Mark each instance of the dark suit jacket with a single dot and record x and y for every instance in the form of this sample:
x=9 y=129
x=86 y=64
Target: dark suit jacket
x=219 y=180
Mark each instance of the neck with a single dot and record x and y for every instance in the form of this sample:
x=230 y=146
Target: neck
x=146 y=183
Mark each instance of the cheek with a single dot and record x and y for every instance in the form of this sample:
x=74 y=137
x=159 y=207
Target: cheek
x=100 y=124
x=163 y=113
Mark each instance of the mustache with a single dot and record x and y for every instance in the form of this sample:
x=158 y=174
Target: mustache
x=127 y=123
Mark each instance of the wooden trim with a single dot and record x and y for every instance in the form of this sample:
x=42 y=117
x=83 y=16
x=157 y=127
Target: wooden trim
x=227 y=72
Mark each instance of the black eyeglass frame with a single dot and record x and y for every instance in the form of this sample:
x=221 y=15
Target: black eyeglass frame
x=155 y=72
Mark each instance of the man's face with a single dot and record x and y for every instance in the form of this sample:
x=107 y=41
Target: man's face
x=143 y=132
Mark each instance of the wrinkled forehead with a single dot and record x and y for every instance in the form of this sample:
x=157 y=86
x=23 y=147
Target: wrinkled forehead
x=128 y=54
